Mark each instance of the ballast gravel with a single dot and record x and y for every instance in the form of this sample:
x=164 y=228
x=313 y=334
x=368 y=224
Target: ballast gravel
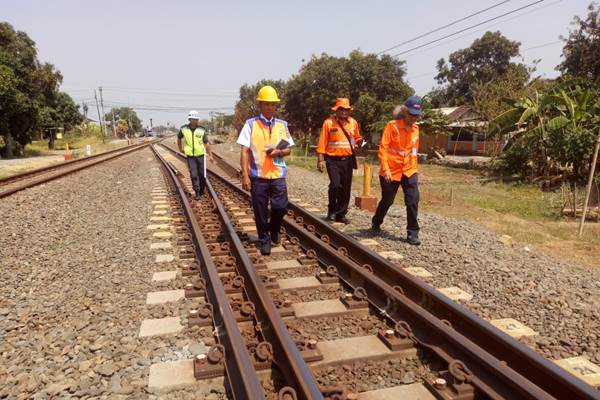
x=76 y=268
x=558 y=300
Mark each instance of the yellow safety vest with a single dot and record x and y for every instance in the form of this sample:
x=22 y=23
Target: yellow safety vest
x=262 y=137
x=194 y=141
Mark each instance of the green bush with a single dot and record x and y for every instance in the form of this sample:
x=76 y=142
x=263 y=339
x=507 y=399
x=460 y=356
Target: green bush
x=515 y=159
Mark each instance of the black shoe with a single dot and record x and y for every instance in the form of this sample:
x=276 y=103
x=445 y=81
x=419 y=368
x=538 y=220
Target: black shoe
x=414 y=240
x=275 y=239
x=376 y=228
x=342 y=219
x=331 y=217
x=265 y=249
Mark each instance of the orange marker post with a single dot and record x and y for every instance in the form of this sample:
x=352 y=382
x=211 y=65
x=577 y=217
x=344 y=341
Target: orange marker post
x=366 y=201
x=67 y=152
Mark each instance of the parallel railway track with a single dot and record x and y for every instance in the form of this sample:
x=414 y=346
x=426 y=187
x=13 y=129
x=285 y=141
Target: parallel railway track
x=18 y=182
x=279 y=313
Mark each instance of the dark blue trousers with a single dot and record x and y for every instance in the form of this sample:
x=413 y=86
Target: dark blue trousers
x=196 y=167
x=339 y=170
x=410 y=187
x=263 y=190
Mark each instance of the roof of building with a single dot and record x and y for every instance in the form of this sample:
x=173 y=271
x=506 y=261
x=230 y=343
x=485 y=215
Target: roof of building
x=462 y=113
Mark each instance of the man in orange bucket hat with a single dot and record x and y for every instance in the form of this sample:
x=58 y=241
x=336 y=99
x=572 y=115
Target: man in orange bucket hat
x=340 y=136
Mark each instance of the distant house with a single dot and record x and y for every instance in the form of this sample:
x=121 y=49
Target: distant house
x=465 y=136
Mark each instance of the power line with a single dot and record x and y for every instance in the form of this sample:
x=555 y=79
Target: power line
x=542 y=45
x=469 y=27
x=485 y=28
x=166 y=108
x=161 y=91
x=223 y=94
x=174 y=94
x=522 y=51
x=444 y=27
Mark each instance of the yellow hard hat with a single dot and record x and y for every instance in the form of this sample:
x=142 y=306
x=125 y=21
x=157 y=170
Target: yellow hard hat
x=267 y=93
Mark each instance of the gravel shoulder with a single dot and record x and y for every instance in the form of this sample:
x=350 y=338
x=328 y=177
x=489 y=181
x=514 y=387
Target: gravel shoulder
x=558 y=300
x=76 y=269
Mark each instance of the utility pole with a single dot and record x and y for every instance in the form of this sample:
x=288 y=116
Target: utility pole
x=102 y=108
x=99 y=117
x=130 y=126
x=112 y=111
x=589 y=184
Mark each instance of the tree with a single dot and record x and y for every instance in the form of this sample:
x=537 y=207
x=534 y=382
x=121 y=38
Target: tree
x=246 y=107
x=582 y=47
x=59 y=112
x=487 y=59
x=373 y=84
x=433 y=121
x=127 y=114
x=122 y=128
x=554 y=130
x=490 y=97
x=26 y=85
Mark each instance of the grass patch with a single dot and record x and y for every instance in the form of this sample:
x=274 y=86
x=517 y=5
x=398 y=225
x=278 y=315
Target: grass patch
x=76 y=143
x=522 y=211
x=37 y=148
x=34 y=150
x=298 y=160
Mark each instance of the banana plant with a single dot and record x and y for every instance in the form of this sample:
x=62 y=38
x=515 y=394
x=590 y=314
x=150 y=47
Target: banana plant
x=554 y=126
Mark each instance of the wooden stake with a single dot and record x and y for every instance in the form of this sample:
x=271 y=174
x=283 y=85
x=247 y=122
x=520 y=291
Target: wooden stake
x=589 y=184
x=574 y=199
x=367 y=179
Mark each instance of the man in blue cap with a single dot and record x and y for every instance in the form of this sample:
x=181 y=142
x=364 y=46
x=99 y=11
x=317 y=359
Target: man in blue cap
x=398 y=159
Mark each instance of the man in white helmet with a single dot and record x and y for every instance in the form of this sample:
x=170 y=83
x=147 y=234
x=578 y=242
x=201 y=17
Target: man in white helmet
x=195 y=145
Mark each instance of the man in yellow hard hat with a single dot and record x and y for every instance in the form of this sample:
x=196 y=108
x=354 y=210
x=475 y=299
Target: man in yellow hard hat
x=339 y=138
x=265 y=140
x=195 y=145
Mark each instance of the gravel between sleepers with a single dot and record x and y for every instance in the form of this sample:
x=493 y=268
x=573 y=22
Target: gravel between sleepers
x=558 y=300
x=76 y=268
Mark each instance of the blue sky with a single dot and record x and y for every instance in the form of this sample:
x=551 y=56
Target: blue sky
x=164 y=57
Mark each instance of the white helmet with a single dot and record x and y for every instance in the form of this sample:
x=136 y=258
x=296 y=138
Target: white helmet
x=193 y=114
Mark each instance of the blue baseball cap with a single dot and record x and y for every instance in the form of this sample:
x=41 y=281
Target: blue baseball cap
x=414 y=105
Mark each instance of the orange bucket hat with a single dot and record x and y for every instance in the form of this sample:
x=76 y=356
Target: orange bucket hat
x=341 y=102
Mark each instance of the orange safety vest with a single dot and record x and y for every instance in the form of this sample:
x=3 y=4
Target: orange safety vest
x=263 y=137
x=333 y=142
x=398 y=149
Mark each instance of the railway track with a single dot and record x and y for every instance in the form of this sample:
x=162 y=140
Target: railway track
x=16 y=183
x=325 y=317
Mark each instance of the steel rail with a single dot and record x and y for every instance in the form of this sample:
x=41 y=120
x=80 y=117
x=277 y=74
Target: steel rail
x=99 y=158
x=285 y=351
x=541 y=372
x=243 y=379
x=492 y=377
x=47 y=168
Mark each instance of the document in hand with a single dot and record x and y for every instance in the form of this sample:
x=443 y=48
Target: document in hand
x=283 y=144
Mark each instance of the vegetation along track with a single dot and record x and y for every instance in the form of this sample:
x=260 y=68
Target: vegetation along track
x=328 y=318
x=15 y=183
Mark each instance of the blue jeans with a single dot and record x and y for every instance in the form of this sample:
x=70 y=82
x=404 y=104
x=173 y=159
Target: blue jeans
x=263 y=190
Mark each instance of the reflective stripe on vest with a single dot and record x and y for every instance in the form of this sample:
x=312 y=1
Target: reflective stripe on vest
x=413 y=152
x=194 y=141
x=342 y=144
x=263 y=137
